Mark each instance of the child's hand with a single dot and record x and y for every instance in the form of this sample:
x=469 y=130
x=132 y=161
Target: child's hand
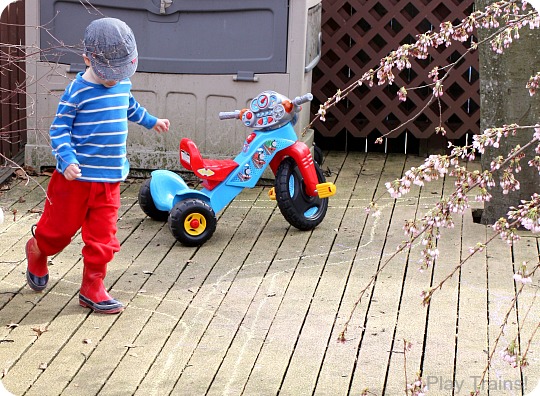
x=72 y=172
x=162 y=125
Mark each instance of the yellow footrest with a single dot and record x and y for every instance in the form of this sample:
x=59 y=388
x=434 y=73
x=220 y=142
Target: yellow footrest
x=326 y=190
x=272 y=194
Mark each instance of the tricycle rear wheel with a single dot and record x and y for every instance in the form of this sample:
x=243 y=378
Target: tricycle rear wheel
x=301 y=210
x=146 y=202
x=192 y=222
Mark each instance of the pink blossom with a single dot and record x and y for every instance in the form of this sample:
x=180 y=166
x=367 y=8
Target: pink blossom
x=402 y=94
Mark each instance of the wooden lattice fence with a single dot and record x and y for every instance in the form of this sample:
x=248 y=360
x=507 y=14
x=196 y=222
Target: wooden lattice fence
x=357 y=34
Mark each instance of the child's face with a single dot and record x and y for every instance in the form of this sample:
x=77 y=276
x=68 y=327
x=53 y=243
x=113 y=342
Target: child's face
x=96 y=78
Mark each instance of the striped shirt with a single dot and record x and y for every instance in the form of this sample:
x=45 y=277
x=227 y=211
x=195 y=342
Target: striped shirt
x=91 y=127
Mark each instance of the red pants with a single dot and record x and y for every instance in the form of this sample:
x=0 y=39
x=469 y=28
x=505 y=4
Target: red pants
x=72 y=205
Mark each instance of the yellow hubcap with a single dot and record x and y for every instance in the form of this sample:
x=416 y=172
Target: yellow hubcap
x=195 y=224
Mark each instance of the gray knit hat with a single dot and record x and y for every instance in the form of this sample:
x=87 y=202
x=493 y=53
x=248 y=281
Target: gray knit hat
x=110 y=45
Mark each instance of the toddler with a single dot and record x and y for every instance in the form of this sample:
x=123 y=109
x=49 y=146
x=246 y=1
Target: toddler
x=88 y=138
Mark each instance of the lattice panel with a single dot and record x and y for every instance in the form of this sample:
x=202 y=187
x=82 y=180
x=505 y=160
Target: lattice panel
x=357 y=34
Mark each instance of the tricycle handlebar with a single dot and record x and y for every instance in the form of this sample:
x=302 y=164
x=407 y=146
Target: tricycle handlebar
x=302 y=99
x=227 y=115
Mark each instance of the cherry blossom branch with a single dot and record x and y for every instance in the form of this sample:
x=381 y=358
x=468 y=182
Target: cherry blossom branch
x=12 y=61
x=406 y=348
x=417 y=387
x=434 y=167
x=524 y=356
x=428 y=294
x=511 y=353
x=15 y=165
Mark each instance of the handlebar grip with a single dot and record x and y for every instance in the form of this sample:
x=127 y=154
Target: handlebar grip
x=228 y=115
x=302 y=99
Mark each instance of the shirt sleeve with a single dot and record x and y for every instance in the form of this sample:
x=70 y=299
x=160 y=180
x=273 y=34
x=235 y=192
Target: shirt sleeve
x=139 y=115
x=60 y=131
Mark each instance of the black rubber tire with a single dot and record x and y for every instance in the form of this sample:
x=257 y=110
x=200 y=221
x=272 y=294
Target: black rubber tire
x=294 y=203
x=185 y=210
x=147 y=205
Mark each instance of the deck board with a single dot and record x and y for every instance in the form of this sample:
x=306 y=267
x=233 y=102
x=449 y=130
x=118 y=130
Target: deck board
x=472 y=332
x=259 y=308
x=377 y=338
x=412 y=316
x=526 y=251
x=317 y=333
x=440 y=345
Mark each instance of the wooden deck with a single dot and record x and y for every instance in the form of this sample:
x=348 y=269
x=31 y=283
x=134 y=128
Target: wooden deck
x=258 y=309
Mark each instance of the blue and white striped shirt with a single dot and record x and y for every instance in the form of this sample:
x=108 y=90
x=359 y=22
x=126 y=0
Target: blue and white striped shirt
x=91 y=127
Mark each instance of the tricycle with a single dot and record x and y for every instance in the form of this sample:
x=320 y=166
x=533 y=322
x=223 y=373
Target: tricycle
x=300 y=188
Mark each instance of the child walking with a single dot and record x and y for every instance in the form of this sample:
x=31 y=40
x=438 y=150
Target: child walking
x=88 y=138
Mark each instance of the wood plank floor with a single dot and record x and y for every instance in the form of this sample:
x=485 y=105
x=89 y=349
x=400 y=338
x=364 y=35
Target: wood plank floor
x=258 y=309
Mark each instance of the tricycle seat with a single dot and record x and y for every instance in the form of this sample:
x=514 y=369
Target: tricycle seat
x=211 y=172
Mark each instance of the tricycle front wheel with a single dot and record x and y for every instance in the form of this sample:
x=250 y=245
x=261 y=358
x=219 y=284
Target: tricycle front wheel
x=192 y=222
x=146 y=202
x=301 y=210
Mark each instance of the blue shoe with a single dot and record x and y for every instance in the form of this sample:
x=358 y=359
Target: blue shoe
x=111 y=306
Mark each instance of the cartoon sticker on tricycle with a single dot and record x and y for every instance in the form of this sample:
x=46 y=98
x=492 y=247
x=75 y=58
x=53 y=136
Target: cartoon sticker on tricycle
x=259 y=158
x=300 y=188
